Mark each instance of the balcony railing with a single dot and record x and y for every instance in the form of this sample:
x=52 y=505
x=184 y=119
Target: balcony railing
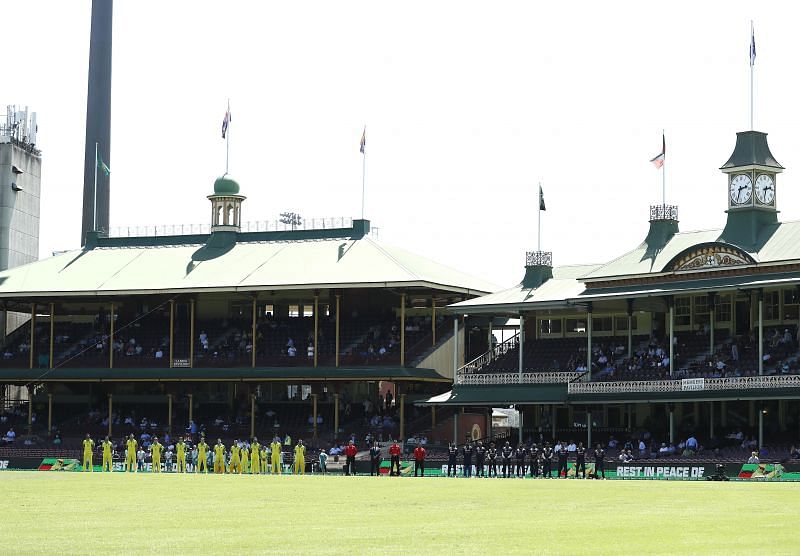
x=255 y=226
x=684 y=385
x=497 y=351
x=555 y=377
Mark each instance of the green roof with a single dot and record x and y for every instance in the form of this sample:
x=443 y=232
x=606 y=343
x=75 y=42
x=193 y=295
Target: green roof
x=226 y=186
x=222 y=374
x=115 y=267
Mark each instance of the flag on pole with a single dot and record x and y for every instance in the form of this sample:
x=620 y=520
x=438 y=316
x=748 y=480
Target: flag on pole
x=226 y=121
x=658 y=160
x=541 y=199
x=363 y=140
x=102 y=165
x=752 y=45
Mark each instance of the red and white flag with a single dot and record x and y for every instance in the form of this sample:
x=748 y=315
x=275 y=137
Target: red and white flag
x=658 y=160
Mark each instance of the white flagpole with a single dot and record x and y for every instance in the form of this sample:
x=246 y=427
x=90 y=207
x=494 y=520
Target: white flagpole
x=228 y=137
x=539 y=234
x=363 y=173
x=752 y=39
x=94 y=216
x=664 y=171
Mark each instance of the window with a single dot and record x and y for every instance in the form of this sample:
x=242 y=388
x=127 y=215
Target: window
x=683 y=311
x=294 y=311
x=621 y=323
x=702 y=314
x=308 y=310
x=550 y=326
x=576 y=325
x=791 y=298
x=269 y=310
x=771 y=310
x=602 y=324
x=723 y=309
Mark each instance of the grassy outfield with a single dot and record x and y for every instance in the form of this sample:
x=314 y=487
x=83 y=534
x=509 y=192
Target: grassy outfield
x=145 y=513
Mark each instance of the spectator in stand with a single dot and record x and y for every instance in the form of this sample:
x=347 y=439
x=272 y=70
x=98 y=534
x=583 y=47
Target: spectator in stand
x=419 y=460
x=10 y=436
x=642 y=448
x=691 y=445
x=794 y=452
x=753 y=458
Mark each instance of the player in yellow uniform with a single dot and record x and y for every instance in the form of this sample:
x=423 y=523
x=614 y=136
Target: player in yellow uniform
x=244 y=455
x=130 y=454
x=108 y=449
x=300 y=458
x=255 y=457
x=202 y=457
x=276 y=455
x=181 y=455
x=263 y=456
x=219 y=457
x=233 y=466
x=155 y=454
x=88 y=449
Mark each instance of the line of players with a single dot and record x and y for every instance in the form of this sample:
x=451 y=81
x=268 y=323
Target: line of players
x=515 y=462
x=241 y=457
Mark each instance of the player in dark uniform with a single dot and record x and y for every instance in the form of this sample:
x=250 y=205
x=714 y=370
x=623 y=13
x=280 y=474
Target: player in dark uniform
x=580 y=461
x=547 y=461
x=452 y=454
x=468 y=449
x=492 y=455
x=562 y=460
x=480 y=456
x=599 y=462
x=521 y=453
x=507 y=452
x=536 y=461
x=375 y=460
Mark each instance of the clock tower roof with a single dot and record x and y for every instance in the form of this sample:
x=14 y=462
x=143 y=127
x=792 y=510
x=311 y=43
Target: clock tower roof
x=751 y=150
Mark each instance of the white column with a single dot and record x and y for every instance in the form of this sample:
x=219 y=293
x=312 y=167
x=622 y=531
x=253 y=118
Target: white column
x=588 y=375
x=671 y=340
x=521 y=344
x=455 y=348
x=760 y=333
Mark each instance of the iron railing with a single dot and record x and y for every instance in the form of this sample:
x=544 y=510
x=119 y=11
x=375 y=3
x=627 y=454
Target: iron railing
x=495 y=352
x=553 y=377
x=255 y=226
x=663 y=212
x=708 y=384
x=538 y=258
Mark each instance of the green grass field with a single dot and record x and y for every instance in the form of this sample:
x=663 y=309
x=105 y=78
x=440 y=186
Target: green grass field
x=146 y=513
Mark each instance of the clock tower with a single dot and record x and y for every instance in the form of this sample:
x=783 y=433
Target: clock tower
x=751 y=171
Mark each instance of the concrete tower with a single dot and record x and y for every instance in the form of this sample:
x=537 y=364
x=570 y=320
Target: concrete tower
x=98 y=120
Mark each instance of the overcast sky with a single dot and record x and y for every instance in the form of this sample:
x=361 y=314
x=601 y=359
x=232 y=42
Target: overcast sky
x=468 y=105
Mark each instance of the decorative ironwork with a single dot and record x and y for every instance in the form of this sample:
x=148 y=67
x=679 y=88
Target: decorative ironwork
x=646 y=386
x=663 y=212
x=258 y=226
x=555 y=377
x=539 y=258
x=709 y=255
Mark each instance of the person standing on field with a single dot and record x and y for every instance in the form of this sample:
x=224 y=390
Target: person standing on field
x=219 y=457
x=108 y=450
x=507 y=452
x=350 y=452
x=180 y=455
x=468 y=451
x=394 y=458
x=88 y=449
x=562 y=461
x=419 y=460
x=233 y=466
x=547 y=461
x=375 y=460
x=300 y=458
x=580 y=461
x=155 y=455
x=202 y=457
x=264 y=455
x=323 y=462
x=452 y=455
x=255 y=457
x=480 y=460
x=599 y=462
x=276 y=447
x=130 y=454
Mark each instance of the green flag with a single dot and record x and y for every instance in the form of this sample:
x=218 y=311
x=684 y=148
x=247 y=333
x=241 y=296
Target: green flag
x=102 y=165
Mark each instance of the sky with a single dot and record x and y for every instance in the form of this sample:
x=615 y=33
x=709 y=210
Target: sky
x=468 y=107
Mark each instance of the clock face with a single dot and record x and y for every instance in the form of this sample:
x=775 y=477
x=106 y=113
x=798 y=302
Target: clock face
x=765 y=189
x=741 y=189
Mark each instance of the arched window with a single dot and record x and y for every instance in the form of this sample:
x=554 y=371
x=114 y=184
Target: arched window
x=229 y=219
x=218 y=215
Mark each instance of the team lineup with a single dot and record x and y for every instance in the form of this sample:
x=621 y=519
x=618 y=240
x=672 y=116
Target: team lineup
x=251 y=457
x=242 y=456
